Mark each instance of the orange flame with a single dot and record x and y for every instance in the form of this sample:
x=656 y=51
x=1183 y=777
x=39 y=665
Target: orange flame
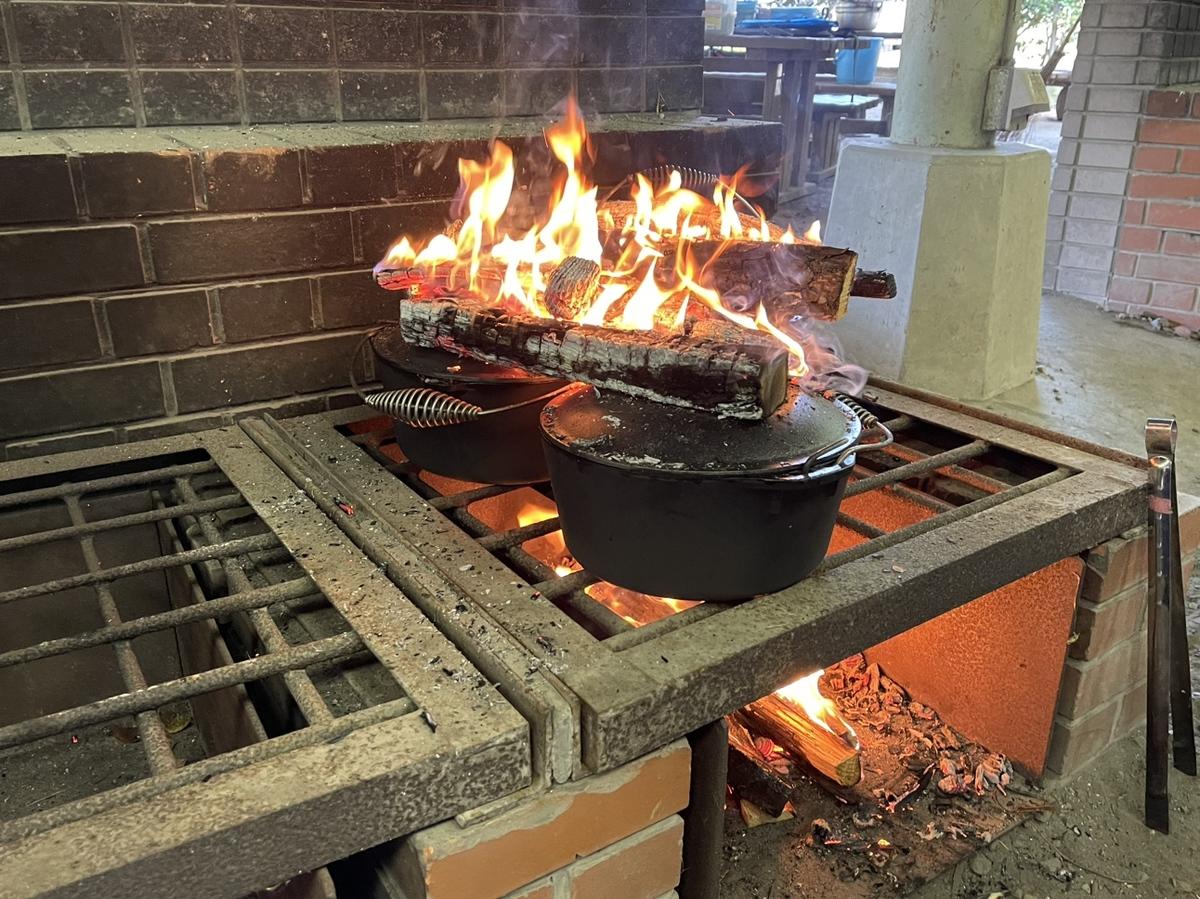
x=540 y=509
x=820 y=709
x=648 y=277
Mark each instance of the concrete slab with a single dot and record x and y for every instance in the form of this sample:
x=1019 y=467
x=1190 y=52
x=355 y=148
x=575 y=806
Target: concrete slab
x=1101 y=380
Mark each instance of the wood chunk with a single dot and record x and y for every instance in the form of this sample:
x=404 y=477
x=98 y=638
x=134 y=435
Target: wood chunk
x=785 y=723
x=737 y=380
x=572 y=288
x=874 y=285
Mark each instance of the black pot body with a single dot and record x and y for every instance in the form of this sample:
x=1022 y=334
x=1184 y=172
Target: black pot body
x=493 y=449
x=712 y=538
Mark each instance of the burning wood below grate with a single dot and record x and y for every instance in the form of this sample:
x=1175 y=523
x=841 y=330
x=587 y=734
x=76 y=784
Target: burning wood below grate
x=834 y=755
x=738 y=380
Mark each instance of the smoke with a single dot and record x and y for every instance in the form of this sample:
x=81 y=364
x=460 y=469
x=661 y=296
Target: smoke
x=828 y=369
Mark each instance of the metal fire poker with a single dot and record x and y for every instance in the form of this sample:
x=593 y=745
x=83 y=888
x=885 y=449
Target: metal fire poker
x=1168 y=684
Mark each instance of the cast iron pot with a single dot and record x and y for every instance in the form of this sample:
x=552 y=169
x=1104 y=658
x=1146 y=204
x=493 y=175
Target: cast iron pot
x=501 y=448
x=677 y=503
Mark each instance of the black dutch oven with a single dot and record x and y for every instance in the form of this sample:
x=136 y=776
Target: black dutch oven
x=671 y=502
x=501 y=447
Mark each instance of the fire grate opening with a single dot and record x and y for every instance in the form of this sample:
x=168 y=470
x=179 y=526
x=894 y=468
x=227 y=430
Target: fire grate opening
x=151 y=619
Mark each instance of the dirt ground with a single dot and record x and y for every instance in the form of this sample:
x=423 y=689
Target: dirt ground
x=1093 y=844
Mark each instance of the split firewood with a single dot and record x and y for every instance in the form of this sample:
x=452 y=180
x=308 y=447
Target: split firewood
x=751 y=775
x=572 y=288
x=787 y=724
x=874 y=285
x=737 y=380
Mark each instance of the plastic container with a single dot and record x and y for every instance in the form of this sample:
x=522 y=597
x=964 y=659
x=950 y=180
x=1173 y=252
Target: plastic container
x=720 y=16
x=858 y=66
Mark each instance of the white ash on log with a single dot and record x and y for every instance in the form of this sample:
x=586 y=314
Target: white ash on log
x=572 y=288
x=737 y=380
x=785 y=723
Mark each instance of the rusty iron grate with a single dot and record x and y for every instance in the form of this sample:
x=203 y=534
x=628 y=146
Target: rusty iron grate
x=985 y=501
x=178 y=620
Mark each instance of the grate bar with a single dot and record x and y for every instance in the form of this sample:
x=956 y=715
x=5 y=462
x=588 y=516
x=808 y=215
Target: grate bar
x=122 y=521
x=155 y=740
x=976 y=479
x=560 y=585
x=116 y=482
x=298 y=683
x=158 y=563
x=466 y=497
x=937 y=521
x=923 y=466
x=637 y=635
x=517 y=536
x=149 y=624
x=859 y=526
x=293 y=658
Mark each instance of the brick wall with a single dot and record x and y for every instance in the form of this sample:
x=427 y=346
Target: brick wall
x=616 y=834
x=1103 y=693
x=1126 y=50
x=153 y=281
x=68 y=64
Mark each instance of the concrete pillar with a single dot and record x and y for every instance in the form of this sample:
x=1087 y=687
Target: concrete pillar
x=958 y=221
x=950 y=46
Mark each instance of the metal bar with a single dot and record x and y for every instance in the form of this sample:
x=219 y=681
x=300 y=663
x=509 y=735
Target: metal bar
x=1158 y=646
x=122 y=521
x=116 y=482
x=155 y=740
x=857 y=525
x=299 y=684
x=937 y=521
x=975 y=479
x=704 y=819
x=654 y=629
x=153 y=697
x=517 y=536
x=556 y=586
x=158 y=563
x=466 y=497
x=911 y=470
x=128 y=630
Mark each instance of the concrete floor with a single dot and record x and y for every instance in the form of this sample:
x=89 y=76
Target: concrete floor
x=1100 y=380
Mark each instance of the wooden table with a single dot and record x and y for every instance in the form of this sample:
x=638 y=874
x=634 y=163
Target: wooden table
x=885 y=90
x=788 y=89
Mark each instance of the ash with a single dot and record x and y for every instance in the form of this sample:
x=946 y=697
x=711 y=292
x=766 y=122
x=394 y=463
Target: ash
x=928 y=798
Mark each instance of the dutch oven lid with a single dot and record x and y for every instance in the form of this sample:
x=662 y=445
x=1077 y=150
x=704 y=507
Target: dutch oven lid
x=620 y=430
x=440 y=366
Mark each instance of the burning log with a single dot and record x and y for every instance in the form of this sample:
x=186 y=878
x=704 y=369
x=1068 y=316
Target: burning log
x=738 y=380
x=787 y=724
x=874 y=285
x=787 y=279
x=752 y=776
x=572 y=288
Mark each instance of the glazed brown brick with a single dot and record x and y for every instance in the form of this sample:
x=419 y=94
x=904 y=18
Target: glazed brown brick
x=381 y=226
x=68 y=32
x=283 y=96
x=609 y=41
x=41 y=334
x=79 y=398
x=457 y=40
x=50 y=261
x=229 y=246
x=35 y=189
x=123 y=185
x=265 y=178
x=165 y=322
x=458 y=95
x=676 y=87
x=237 y=376
x=342 y=175
x=611 y=90
x=283 y=34
x=535 y=91
x=676 y=39
x=540 y=40
x=10 y=115
x=172 y=32
x=266 y=309
x=79 y=98
x=371 y=35
x=429 y=170
x=643 y=866
x=353 y=299
x=381 y=96
x=174 y=97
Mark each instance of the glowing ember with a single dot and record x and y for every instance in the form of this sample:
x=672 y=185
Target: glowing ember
x=540 y=509
x=648 y=272
x=820 y=709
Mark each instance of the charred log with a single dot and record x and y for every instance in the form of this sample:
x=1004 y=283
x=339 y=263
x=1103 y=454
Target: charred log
x=874 y=285
x=572 y=288
x=751 y=775
x=785 y=723
x=737 y=380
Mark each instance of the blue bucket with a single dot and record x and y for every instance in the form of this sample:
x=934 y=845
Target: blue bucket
x=858 y=66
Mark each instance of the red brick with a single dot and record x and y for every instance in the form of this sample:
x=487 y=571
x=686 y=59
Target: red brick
x=1155 y=159
x=1173 y=104
x=1179 y=244
x=1134 y=212
x=1196 y=105
x=1169 y=131
x=644 y=866
x=1190 y=162
x=545 y=834
x=1098 y=628
x=1123 y=263
x=1140 y=240
x=1170 y=187
x=1089 y=685
x=1169 y=268
x=1128 y=290
x=1074 y=743
x=1173 y=296
x=1183 y=216
x=1133 y=711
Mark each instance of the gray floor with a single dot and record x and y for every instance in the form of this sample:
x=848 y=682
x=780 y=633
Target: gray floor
x=1100 y=380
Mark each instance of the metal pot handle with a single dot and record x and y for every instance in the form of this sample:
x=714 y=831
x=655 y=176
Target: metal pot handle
x=424 y=407
x=871 y=425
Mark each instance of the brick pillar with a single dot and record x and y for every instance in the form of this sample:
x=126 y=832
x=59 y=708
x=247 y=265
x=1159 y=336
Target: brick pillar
x=1126 y=49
